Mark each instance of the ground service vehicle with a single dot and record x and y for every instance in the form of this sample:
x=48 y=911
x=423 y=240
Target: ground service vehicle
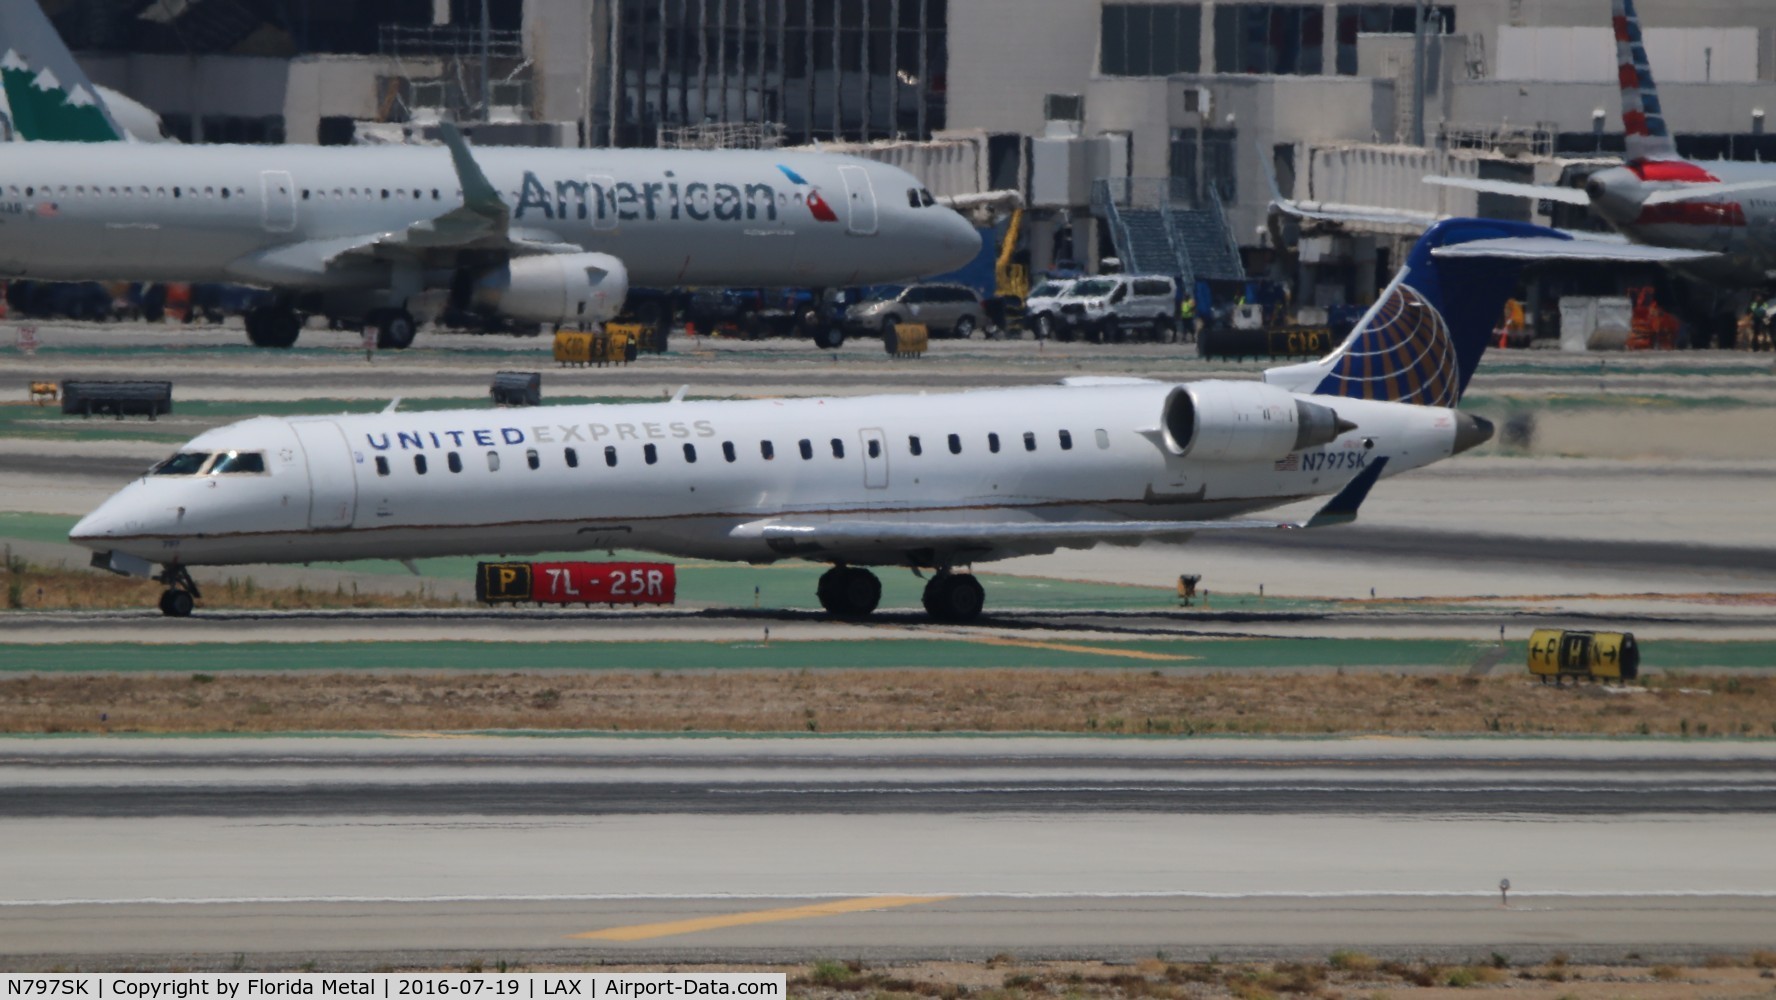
x=1041 y=309
x=947 y=310
x=1117 y=307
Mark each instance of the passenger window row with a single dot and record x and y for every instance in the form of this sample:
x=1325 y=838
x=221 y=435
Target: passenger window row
x=650 y=453
x=125 y=191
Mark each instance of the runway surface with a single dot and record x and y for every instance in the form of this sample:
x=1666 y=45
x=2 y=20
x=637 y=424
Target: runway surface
x=369 y=851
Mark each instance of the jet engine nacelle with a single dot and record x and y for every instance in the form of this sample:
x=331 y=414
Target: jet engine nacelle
x=1244 y=421
x=552 y=288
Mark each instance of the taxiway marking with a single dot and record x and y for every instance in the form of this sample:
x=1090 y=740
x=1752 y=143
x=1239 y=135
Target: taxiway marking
x=1133 y=654
x=644 y=932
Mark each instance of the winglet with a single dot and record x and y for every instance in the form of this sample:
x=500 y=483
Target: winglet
x=479 y=195
x=1342 y=509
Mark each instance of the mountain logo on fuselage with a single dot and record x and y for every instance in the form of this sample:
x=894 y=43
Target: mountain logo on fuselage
x=816 y=204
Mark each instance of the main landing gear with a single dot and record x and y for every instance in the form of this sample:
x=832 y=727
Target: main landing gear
x=394 y=328
x=181 y=594
x=273 y=326
x=851 y=592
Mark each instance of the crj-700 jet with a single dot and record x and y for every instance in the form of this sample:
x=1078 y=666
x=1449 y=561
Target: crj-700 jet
x=1660 y=199
x=927 y=482
x=379 y=233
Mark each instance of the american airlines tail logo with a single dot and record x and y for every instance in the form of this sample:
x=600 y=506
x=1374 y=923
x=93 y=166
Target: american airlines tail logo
x=816 y=204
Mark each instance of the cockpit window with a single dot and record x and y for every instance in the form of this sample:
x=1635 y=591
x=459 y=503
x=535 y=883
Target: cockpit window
x=913 y=197
x=238 y=462
x=185 y=463
x=926 y=199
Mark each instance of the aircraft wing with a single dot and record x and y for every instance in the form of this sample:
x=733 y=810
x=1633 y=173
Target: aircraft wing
x=1554 y=248
x=863 y=534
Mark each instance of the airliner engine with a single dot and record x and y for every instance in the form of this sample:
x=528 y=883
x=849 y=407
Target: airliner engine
x=551 y=288
x=1244 y=421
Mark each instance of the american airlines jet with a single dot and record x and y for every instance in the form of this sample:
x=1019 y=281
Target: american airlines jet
x=378 y=234
x=924 y=482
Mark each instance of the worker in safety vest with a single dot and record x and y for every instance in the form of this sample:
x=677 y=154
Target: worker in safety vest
x=1187 y=317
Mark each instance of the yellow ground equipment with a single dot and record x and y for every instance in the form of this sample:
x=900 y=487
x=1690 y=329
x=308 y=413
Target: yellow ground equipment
x=1011 y=280
x=1595 y=656
x=42 y=392
x=614 y=345
x=906 y=340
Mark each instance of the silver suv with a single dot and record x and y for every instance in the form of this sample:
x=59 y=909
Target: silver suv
x=953 y=310
x=1116 y=307
x=1041 y=310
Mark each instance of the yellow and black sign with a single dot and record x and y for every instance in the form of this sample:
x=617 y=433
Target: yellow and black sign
x=1606 y=656
x=906 y=340
x=616 y=344
x=503 y=583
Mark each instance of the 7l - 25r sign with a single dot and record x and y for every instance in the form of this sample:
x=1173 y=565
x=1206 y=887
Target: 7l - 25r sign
x=576 y=583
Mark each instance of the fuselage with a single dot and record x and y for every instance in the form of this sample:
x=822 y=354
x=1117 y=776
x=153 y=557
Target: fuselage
x=680 y=477
x=1740 y=225
x=271 y=215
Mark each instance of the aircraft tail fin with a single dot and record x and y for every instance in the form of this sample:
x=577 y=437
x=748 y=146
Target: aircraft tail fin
x=1643 y=118
x=1423 y=338
x=47 y=96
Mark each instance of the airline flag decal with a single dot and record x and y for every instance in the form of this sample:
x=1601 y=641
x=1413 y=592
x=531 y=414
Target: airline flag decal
x=816 y=204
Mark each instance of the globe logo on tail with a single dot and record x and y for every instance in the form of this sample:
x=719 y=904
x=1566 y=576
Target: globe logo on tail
x=1403 y=355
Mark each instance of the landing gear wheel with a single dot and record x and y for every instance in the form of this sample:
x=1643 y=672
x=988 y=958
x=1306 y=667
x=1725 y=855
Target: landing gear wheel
x=829 y=338
x=956 y=598
x=394 y=329
x=964 y=328
x=849 y=592
x=270 y=326
x=176 y=604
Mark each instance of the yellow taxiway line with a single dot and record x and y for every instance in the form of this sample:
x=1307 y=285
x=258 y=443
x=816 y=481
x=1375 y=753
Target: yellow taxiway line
x=643 y=932
x=1133 y=654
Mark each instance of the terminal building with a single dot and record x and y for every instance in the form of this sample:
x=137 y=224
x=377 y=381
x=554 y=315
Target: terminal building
x=1146 y=131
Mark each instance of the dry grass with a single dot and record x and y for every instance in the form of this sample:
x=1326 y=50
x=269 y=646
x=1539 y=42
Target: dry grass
x=54 y=588
x=950 y=700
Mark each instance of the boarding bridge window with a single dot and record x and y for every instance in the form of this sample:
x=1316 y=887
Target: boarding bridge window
x=838 y=448
x=807 y=449
x=610 y=455
x=572 y=457
x=728 y=451
x=690 y=453
x=914 y=446
x=532 y=459
x=650 y=454
x=382 y=465
x=955 y=444
x=454 y=461
x=1103 y=437
x=993 y=443
x=493 y=461
x=1066 y=440
x=1029 y=440
x=1384 y=19
x=767 y=450
x=185 y=463
x=238 y=462
x=419 y=464
x=1269 y=38
x=1149 y=39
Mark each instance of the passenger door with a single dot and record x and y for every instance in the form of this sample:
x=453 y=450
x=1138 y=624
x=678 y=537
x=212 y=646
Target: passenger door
x=860 y=201
x=332 y=480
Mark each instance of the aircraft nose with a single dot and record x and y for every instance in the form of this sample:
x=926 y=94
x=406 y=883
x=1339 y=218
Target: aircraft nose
x=93 y=530
x=959 y=241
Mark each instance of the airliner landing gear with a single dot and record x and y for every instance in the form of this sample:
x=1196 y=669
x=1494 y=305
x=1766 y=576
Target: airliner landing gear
x=272 y=326
x=849 y=592
x=181 y=593
x=956 y=598
x=394 y=328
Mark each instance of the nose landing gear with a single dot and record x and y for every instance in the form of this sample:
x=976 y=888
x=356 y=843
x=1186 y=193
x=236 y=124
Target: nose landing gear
x=181 y=595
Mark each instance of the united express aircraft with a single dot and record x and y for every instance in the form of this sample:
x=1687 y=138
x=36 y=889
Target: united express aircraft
x=926 y=482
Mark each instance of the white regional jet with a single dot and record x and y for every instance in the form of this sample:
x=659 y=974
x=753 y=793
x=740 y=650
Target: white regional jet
x=929 y=482
x=538 y=235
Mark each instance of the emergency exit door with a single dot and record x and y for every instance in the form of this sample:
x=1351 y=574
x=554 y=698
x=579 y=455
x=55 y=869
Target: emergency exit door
x=860 y=201
x=875 y=458
x=279 y=193
x=332 y=479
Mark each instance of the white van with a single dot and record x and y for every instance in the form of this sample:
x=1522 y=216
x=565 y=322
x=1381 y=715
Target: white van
x=1042 y=315
x=1113 y=308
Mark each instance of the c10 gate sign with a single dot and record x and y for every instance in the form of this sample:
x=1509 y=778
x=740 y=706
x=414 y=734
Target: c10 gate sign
x=576 y=583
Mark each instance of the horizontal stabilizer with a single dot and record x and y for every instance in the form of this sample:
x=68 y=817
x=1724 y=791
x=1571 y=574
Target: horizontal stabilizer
x=1560 y=248
x=1571 y=196
x=1342 y=509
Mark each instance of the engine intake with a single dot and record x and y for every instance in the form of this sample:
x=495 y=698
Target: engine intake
x=1245 y=421
x=551 y=288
